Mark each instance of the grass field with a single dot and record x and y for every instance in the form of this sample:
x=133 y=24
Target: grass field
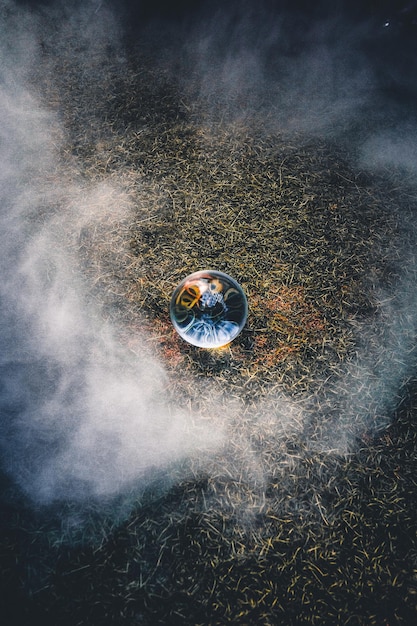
x=269 y=482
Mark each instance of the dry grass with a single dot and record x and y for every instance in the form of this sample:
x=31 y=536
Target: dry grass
x=301 y=536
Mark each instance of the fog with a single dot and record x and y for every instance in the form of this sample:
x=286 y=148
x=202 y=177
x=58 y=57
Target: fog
x=81 y=414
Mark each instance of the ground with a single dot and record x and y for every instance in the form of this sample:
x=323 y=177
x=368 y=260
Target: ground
x=305 y=511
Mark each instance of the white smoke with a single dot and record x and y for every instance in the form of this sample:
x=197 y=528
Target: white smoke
x=82 y=415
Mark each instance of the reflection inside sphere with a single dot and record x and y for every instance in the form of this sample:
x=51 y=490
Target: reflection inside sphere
x=208 y=309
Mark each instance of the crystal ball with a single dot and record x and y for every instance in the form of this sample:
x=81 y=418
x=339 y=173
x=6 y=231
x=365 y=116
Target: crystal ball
x=208 y=309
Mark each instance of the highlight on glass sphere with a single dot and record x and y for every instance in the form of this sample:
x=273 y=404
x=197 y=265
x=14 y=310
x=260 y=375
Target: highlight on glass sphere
x=208 y=309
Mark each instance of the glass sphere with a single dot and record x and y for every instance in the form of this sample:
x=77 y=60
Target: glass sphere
x=208 y=309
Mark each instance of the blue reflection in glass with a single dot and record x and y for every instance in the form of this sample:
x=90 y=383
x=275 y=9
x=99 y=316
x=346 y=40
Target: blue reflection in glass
x=208 y=309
